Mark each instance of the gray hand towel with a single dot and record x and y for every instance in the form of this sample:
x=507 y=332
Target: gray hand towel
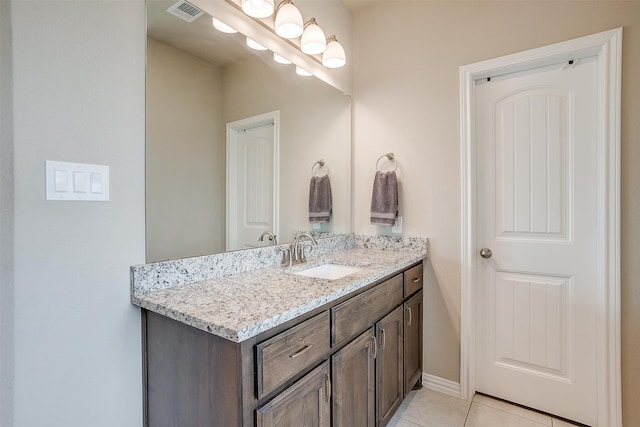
x=384 y=198
x=319 y=199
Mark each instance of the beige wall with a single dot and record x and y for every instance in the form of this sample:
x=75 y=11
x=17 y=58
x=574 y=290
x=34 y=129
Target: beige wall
x=185 y=155
x=7 y=291
x=407 y=55
x=315 y=123
x=73 y=357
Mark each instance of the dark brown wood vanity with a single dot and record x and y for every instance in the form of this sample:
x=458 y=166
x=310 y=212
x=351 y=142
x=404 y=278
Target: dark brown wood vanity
x=347 y=363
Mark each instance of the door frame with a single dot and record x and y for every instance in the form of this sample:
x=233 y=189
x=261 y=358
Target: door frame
x=607 y=47
x=233 y=129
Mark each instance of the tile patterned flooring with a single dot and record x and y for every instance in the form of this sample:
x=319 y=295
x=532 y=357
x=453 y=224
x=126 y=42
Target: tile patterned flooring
x=428 y=408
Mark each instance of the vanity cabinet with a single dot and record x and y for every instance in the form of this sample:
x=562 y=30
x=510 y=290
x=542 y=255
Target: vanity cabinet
x=347 y=363
x=306 y=403
x=412 y=342
x=290 y=352
x=354 y=382
x=372 y=362
x=390 y=365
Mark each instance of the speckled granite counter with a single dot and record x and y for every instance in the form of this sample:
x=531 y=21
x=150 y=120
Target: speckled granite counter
x=243 y=305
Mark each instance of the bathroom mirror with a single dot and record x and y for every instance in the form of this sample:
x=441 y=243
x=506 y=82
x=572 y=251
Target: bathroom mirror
x=199 y=80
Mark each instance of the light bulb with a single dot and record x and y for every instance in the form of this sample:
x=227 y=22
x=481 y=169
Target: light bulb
x=255 y=45
x=334 y=56
x=313 y=40
x=258 y=8
x=221 y=26
x=280 y=59
x=289 y=24
x=302 y=72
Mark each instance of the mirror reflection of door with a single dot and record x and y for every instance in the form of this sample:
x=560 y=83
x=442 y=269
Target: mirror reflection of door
x=252 y=186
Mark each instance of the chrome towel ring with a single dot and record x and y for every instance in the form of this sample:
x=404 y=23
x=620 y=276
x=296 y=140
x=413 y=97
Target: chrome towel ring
x=390 y=157
x=320 y=163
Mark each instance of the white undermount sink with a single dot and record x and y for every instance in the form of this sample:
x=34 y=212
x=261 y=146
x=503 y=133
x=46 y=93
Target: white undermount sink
x=329 y=271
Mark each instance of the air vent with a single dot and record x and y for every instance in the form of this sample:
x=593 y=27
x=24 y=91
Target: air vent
x=185 y=11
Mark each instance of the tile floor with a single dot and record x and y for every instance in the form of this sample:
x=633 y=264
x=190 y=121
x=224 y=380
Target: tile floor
x=427 y=408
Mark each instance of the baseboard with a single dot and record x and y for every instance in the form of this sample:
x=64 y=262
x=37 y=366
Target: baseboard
x=442 y=385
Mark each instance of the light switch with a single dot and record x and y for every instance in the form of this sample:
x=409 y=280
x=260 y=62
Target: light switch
x=79 y=182
x=76 y=181
x=62 y=181
x=96 y=182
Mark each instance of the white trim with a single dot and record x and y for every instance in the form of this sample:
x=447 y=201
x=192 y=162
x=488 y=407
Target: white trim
x=233 y=128
x=607 y=46
x=441 y=385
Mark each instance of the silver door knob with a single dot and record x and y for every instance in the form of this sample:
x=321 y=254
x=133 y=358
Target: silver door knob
x=485 y=253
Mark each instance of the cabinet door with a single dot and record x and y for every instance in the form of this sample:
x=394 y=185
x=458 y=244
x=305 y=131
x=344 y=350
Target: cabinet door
x=412 y=342
x=306 y=403
x=390 y=365
x=353 y=374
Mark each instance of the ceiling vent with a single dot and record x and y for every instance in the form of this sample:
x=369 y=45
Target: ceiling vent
x=185 y=11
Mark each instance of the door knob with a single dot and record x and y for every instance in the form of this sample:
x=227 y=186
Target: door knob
x=485 y=253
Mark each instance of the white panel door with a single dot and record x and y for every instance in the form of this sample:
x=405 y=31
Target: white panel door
x=536 y=211
x=255 y=186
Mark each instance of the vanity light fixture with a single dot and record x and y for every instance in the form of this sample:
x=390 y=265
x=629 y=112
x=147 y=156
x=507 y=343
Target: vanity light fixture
x=280 y=59
x=302 y=72
x=254 y=44
x=221 y=26
x=258 y=8
x=334 y=56
x=289 y=23
x=313 y=41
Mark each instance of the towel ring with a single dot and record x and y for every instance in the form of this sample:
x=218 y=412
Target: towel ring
x=321 y=164
x=390 y=157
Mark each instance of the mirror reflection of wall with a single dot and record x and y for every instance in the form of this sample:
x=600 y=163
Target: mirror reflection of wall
x=185 y=155
x=189 y=101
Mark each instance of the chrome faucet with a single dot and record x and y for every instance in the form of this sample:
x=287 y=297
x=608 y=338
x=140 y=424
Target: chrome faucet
x=298 y=250
x=272 y=237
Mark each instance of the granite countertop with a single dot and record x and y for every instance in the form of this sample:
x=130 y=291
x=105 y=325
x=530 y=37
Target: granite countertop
x=243 y=305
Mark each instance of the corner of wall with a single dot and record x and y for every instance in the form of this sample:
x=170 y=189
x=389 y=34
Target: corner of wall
x=6 y=219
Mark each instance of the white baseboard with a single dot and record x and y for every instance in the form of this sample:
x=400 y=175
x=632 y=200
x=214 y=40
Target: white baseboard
x=441 y=385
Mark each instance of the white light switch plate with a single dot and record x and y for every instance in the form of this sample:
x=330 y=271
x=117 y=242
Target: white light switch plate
x=76 y=181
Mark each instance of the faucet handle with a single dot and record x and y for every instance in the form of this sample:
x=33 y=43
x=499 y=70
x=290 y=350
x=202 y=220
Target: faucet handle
x=303 y=257
x=287 y=257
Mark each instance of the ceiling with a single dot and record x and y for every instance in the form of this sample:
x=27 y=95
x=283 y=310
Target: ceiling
x=198 y=38
x=355 y=5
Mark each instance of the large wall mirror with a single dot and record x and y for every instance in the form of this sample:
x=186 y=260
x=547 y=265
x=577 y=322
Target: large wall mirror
x=199 y=81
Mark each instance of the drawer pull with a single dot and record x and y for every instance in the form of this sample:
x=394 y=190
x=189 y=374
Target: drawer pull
x=301 y=351
x=327 y=385
x=409 y=321
x=417 y=279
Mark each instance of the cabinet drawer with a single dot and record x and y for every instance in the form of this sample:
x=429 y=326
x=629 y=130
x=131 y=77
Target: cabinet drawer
x=306 y=402
x=413 y=280
x=286 y=354
x=360 y=312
